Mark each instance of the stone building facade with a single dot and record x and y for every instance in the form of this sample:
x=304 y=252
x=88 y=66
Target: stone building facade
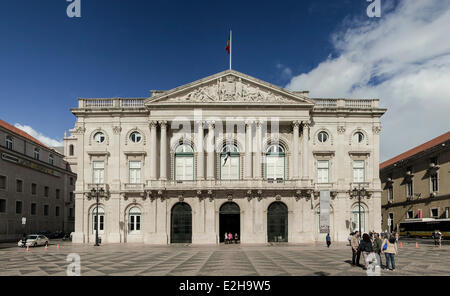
x=35 y=183
x=227 y=153
x=416 y=184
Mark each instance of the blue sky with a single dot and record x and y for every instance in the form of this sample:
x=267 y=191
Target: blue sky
x=125 y=48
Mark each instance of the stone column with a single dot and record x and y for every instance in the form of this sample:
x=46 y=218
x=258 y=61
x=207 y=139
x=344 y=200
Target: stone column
x=163 y=151
x=305 y=150
x=295 y=167
x=210 y=151
x=153 y=152
x=248 y=149
x=200 y=153
x=258 y=150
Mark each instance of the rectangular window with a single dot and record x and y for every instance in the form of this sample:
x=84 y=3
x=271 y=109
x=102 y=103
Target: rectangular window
x=2 y=206
x=409 y=188
x=57 y=193
x=446 y=213
x=33 y=209
x=46 y=190
x=323 y=171
x=358 y=171
x=135 y=172
x=184 y=168
x=2 y=182
x=18 y=207
x=410 y=215
x=71 y=196
x=98 y=172
x=230 y=171
x=434 y=184
x=45 y=210
x=275 y=167
x=33 y=188
x=57 y=211
x=71 y=213
x=434 y=213
x=19 y=185
x=391 y=193
x=71 y=181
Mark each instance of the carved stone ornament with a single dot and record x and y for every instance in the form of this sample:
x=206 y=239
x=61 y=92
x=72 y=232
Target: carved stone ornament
x=333 y=194
x=229 y=197
x=278 y=197
x=376 y=129
x=117 y=130
x=78 y=130
x=230 y=89
x=180 y=198
x=341 y=129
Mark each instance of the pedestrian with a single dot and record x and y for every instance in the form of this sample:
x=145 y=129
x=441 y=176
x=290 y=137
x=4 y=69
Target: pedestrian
x=230 y=237
x=397 y=236
x=236 y=238
x=439 y=237
x=355 y=245
x=350 y=238
x=377 y=245
x=24 y=240
x=390 y=249
x=328 y=239
x=226 y=238
x=365 y=247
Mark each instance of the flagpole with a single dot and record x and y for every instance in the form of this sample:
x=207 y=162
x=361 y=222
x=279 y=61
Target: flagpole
x=231 y=46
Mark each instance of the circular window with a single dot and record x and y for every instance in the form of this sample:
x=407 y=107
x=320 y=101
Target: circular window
x=99 y=137
x=358 y=137
x=322 y=137
x=135 y=137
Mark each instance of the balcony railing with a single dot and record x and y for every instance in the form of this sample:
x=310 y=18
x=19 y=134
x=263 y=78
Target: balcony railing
x=347 y=103
x=111 y=103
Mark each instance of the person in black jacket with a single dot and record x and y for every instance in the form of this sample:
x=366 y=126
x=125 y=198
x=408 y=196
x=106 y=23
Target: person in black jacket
x=365 y=247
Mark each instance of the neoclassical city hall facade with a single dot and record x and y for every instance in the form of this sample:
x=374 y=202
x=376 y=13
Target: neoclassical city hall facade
x=227 y=153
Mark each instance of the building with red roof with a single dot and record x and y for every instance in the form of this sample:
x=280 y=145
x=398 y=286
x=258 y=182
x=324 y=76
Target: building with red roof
x=416 y=188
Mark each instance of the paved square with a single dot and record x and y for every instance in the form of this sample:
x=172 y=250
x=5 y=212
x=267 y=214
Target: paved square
x=225 y=260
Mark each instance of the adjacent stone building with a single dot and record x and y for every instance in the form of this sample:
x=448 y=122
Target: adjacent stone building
x=36 y=186
x=227 y=153
x=416 y=183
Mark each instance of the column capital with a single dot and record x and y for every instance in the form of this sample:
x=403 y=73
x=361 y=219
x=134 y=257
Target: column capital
x=200 y=123
x=295 y=123
x=162 y=123
x=306 y=123
x=153 y=123
x=210 y=124
x=249 y=122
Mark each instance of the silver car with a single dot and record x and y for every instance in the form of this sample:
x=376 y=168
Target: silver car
x=34 y=240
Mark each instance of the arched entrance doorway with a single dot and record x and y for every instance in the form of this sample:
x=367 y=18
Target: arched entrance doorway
x=181 y=223
x=229 y=220
x=277 y=222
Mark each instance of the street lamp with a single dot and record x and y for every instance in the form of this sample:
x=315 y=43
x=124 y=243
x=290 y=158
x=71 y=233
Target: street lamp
x=97 y=191
x=359 y=191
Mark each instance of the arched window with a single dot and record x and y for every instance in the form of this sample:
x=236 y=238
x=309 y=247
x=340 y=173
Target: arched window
x=9 y=142
x=36 y=153
x=98 y=221
x=358 y=137
x=184 y=163
x=135 y=137
x=134 y=220
x=99 y=137
x=229 y=163
x=71 y=150
x=355 y=220
x=275 y=162
x=322 y=137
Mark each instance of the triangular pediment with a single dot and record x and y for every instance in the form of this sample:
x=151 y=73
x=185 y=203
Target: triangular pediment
x=229 y=87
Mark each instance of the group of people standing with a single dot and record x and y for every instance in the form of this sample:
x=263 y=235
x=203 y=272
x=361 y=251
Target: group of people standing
x=373 y=243
x=229 y=238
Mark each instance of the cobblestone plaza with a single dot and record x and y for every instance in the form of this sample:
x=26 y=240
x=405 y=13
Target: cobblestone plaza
x=221 y=260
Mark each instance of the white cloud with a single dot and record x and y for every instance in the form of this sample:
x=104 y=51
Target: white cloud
x=39 y=136
x=403 y=58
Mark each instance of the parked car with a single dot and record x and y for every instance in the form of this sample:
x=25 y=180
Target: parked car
x=34 y=240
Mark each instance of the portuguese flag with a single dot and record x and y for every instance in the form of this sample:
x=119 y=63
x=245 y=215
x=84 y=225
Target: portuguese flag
x=227 y=48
